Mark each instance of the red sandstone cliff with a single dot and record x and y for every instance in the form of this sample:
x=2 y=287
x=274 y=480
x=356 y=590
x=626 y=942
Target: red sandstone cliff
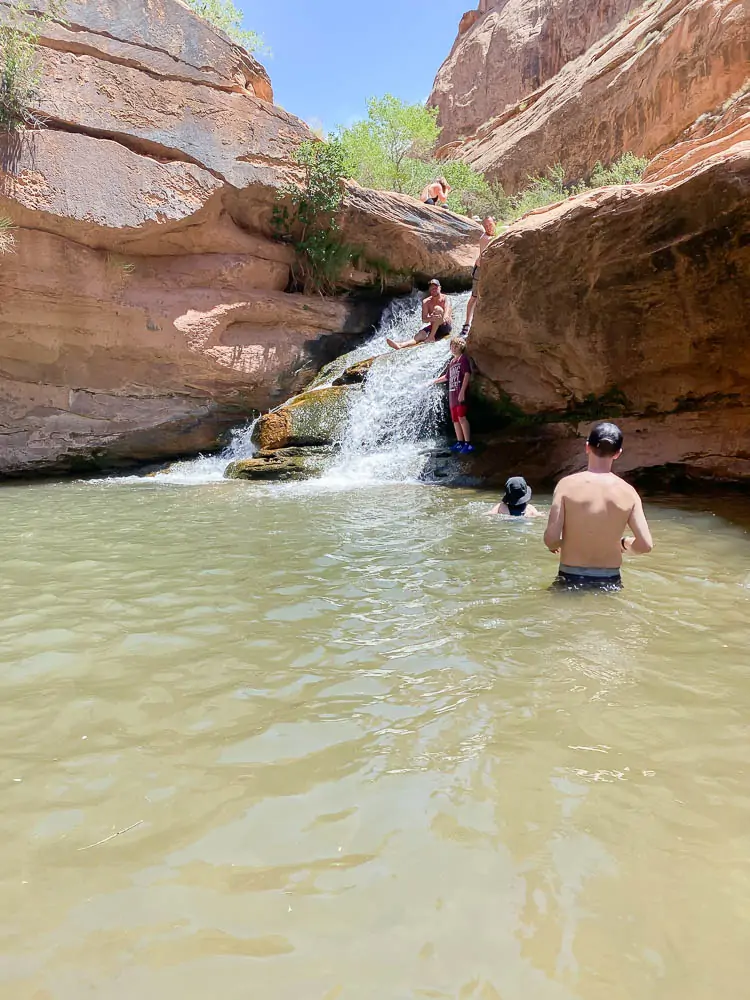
x=635 y=301
x=508 y=48
x=145 y=307
x=636 y=89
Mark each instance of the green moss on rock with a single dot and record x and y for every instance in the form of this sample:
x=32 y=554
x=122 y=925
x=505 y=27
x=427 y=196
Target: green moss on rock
x=268 y=468
x=312 y=418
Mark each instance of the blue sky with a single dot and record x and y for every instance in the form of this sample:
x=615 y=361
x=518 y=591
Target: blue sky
x=329 y=56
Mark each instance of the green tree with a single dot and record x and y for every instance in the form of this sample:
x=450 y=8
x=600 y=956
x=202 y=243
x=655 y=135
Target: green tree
x=224 y=15
x=379 y=148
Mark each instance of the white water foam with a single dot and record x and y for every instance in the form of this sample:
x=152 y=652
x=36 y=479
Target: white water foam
x=200 y=470
x=211 y=468
x=396 y=419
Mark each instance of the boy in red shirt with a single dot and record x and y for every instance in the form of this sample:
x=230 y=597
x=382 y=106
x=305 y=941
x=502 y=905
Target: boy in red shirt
x=458 y=377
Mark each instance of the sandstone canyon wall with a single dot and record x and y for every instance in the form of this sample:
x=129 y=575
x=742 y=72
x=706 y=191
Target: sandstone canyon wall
x=145 y=308
x=635 y=302
x=509 y=48
x=631 y=301
x=635 y=89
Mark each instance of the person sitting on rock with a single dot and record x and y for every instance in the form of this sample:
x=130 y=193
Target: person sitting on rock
x=484 y=241
x=458 y=377
x=515 y=502
x=436 y=192
x=437 y=313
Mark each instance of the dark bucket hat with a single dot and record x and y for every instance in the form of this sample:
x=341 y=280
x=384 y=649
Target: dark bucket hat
x=517 y=492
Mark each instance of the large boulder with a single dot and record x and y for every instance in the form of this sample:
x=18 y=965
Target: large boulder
x=408 y=237
x=312 y=418
x=158 y=36
x=508 y=49
x=632 y=301
x=635 y=90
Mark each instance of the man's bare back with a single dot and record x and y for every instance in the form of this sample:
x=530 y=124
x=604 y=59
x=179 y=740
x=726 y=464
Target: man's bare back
x=596 y=509
x=590 y=512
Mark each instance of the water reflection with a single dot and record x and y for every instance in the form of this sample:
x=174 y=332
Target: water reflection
x=368 y=753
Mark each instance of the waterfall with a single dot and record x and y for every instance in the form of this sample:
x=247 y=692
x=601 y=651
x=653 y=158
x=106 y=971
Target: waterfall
x=396 y=419
x=210 y=468
x=392 y=423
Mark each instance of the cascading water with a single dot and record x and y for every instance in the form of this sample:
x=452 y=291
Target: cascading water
x=211 y=468
x=395 y=420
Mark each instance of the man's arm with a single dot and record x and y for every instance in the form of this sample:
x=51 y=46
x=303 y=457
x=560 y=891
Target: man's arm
x=448 y=317
x=553 y=533
x=425 y=307
x=643 y=542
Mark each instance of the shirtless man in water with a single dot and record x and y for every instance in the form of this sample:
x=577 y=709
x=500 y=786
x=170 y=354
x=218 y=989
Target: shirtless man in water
x=590 y=511
x=437 y=313
x=484 y=241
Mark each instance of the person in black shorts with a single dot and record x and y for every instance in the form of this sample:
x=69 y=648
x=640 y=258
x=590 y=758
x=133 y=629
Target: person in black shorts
x=437 y=314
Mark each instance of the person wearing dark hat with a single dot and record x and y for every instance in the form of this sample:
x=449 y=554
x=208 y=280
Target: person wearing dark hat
x=516 y=501
x=437 y=313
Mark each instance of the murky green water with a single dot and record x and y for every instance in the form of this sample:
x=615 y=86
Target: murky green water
x=369 y=756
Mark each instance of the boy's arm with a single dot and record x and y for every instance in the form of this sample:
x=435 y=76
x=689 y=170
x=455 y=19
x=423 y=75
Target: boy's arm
x=464 y=387
x=437 y=381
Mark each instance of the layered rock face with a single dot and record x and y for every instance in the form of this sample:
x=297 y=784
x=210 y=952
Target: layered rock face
x=635 y=302
x=145 y=308
x=508 y=48
x=636 y=89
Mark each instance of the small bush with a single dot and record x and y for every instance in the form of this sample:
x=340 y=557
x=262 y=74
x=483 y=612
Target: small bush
x=119 y=264
x=224 y=15
x=7 y=236
x=542 y=190
x=551 y=187
x=629 y=169
x=306 y=216
x=20 y=73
